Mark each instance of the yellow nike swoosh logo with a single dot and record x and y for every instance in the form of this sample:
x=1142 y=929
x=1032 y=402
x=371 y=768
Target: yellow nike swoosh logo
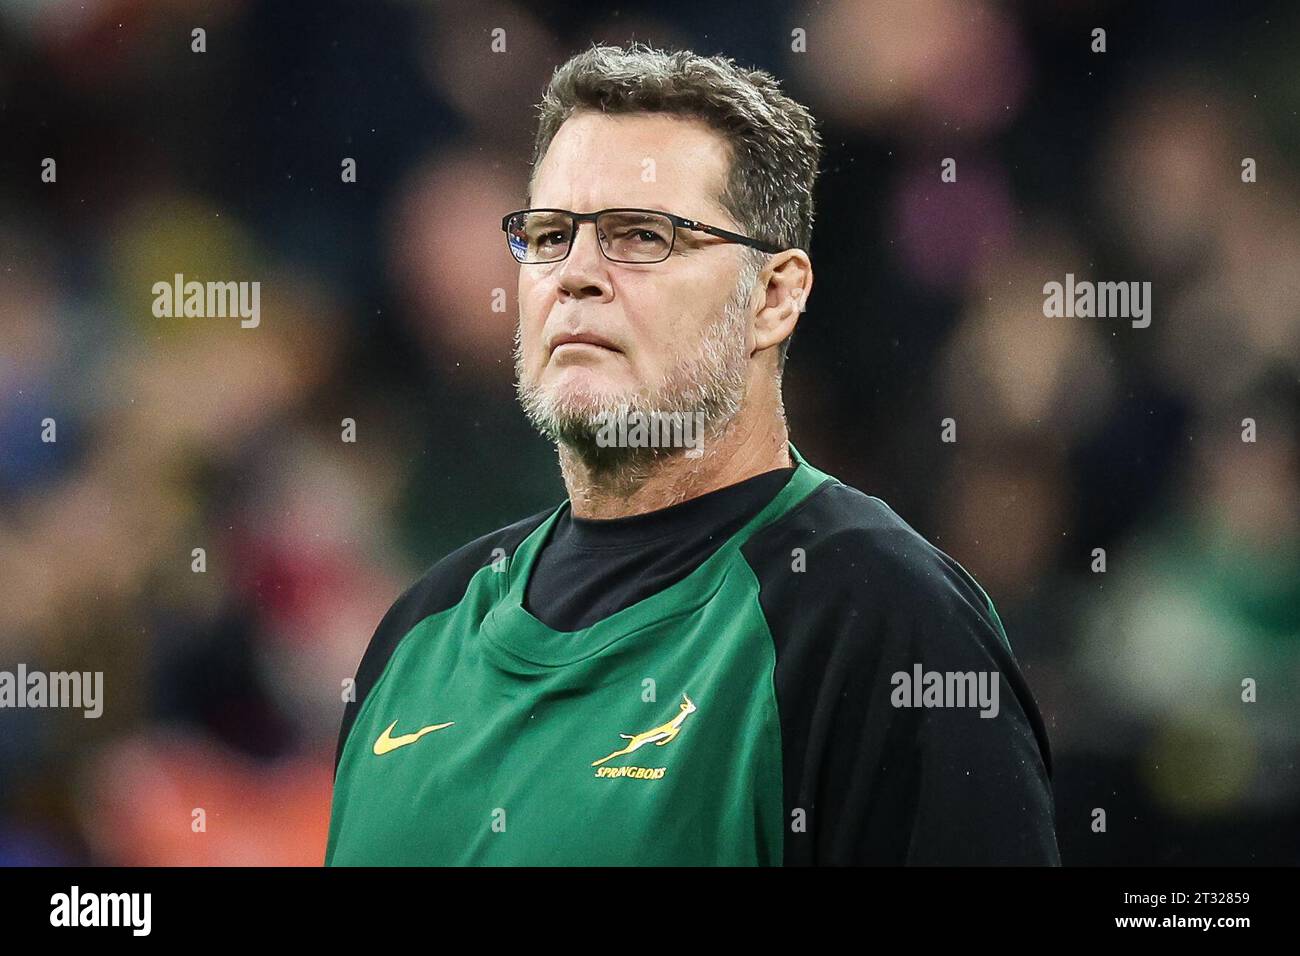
x=387 y=741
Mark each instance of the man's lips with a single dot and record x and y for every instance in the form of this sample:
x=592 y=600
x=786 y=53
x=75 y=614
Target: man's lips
x=582 y=338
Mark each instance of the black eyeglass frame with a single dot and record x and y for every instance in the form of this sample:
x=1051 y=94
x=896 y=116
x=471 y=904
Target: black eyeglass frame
x=679 y=222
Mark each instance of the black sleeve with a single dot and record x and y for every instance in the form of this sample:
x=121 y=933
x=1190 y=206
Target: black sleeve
x=867 y=781
x=439 y=588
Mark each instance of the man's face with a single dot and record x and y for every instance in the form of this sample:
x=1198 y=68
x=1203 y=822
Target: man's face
x=671 y=335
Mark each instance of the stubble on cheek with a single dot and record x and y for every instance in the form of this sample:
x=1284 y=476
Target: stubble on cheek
x=700 y=367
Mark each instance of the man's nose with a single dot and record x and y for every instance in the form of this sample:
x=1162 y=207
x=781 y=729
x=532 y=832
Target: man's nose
x=585 y=271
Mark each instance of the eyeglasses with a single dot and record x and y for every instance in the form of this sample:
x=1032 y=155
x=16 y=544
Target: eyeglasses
x=625 y=235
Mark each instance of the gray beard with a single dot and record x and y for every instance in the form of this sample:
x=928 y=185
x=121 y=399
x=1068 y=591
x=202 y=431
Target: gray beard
x=712 y=382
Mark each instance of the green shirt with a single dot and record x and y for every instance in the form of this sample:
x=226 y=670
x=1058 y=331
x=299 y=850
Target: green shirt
x=740 y=716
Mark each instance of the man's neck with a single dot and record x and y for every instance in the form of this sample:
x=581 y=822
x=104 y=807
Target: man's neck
x=744 y=449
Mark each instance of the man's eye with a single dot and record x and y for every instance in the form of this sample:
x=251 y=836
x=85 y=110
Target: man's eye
x=550 y=237
x=640 y=236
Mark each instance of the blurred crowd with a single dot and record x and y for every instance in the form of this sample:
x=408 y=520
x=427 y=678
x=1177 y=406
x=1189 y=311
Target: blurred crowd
x=1079 y=440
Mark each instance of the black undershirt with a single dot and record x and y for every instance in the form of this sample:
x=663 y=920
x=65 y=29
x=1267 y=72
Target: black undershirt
x=589 y=569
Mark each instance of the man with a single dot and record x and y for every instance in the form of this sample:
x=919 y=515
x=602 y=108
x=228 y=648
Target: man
x=712 y=653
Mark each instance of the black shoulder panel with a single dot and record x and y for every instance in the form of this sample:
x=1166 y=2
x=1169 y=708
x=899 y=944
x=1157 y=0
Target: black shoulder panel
x=868 y=598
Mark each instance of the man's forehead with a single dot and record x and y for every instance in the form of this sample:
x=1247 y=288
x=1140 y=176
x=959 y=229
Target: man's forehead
x=652 y=160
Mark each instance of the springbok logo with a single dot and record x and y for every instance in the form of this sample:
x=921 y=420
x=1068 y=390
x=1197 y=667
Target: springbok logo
x=663 y=734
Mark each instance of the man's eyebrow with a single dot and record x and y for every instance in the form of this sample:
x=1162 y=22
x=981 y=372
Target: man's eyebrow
x=635 y=214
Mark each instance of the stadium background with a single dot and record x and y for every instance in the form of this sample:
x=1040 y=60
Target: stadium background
x=222 y=689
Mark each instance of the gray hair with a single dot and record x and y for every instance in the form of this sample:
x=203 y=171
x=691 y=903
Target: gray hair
x=774 y=143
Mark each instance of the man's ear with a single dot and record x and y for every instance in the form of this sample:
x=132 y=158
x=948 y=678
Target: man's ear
x=785 y=281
